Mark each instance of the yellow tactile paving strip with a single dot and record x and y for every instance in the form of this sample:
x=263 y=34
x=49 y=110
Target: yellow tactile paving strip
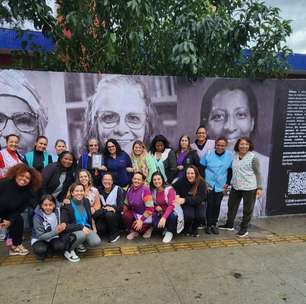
x=161 y=248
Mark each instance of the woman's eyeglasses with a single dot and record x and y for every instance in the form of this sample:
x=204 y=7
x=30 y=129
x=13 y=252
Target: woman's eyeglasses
x=25 y=122
x=110 y=119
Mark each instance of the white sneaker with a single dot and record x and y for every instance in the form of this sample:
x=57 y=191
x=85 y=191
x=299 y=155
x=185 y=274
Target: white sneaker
x=81 y=248
x=71 y=256
x=168 y=237
x=74 y=255
x=115 y=239
x=18 y=250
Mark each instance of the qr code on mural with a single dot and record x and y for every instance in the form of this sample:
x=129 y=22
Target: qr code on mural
x=297 y=183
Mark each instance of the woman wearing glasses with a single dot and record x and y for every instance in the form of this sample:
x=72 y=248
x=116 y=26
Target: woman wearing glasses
x=118 y=163
x=120 y=109
x=21 y=112
x=86 y=161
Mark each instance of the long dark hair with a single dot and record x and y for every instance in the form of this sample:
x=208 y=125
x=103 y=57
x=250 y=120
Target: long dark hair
x=177 y=152
x=157 y=174
x=115 y=142
x=198 y=180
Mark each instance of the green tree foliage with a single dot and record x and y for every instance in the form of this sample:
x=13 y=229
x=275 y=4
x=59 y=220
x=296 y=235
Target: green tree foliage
x=194 y=38
x=16 y=12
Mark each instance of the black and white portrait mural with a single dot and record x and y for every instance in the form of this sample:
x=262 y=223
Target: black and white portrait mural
x=125 y=108
x=32 y=104
x=231 y=108
x=78 y=106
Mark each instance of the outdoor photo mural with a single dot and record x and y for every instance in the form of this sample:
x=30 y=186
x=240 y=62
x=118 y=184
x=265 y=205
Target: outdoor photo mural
x=77 y=106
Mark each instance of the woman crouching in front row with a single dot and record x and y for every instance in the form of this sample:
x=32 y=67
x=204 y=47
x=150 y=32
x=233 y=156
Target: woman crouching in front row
x=78 y=219
x=191 y=193
x=168 y=216
x=138 y=208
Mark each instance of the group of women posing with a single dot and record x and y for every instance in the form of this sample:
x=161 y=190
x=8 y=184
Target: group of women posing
x=76 y=203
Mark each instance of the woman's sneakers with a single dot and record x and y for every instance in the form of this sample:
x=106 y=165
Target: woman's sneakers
x=114 y=238
x=168 y=237
x=132 y=235
x=18 y=250
x=148 y=233
x=71 y=256
x=226 y=227
x=242 y=232
x=81 y=248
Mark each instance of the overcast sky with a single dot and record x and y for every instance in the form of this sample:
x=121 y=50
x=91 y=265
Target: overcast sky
x=294 y=10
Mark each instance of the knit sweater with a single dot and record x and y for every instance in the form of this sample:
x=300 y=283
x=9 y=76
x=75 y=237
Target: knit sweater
x=140 y=201
x=246 y=172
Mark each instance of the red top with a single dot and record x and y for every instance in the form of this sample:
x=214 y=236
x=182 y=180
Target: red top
x=2 y=164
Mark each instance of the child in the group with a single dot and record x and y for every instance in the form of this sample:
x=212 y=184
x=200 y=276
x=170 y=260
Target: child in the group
x=48 y=232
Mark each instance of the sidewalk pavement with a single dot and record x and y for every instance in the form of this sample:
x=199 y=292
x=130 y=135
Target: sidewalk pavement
x=268 y=267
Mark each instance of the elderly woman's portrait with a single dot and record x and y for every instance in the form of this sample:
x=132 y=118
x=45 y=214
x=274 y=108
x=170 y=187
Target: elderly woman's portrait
x=28 y=100
x=123 y=107
x=21 y=111
x=120 y=109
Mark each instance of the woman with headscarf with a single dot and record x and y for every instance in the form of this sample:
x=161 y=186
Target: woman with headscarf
x=21 y=112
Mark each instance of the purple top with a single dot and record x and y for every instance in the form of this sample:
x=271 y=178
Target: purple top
x=139 y=200
x=179 y=162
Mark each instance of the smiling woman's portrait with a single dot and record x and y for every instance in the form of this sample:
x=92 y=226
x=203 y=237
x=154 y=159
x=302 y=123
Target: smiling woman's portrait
x=21 y=112
x=229 y=109
x=120 y=109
